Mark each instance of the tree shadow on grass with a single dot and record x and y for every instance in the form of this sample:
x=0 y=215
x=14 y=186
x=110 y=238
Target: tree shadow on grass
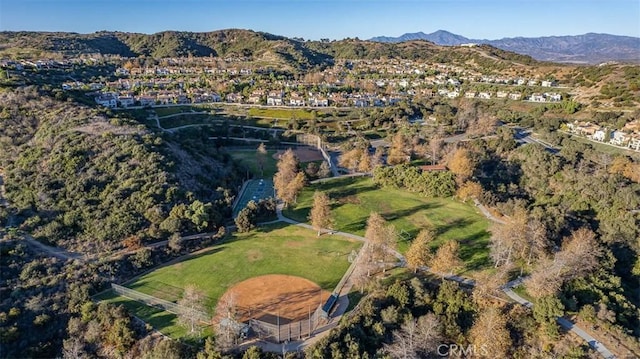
x=456 y=223
x=474 y=251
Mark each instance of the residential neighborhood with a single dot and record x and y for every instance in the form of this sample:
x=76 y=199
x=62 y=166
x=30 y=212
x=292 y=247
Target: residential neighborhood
x=628 y=136
x=349 y=83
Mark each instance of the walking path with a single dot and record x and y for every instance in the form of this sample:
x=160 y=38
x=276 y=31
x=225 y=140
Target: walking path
x=343 y=300
x=507 y=289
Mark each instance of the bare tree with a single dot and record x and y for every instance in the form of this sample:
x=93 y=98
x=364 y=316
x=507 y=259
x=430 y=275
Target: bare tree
x=380 y=237
x=578 y=257
x=416 y=338
x=191 y=308
x=320 y=215
x=488 y=285
x=435 y=146
x=227 y=326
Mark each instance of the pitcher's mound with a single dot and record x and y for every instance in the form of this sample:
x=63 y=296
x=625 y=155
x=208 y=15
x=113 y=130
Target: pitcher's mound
x=271 y=296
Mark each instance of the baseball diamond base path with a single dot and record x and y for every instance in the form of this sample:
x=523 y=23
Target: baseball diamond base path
x=271 y=296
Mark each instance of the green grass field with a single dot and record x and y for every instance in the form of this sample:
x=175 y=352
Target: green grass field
x=275 y=249
x=247 y=158
x=162 y=321
x=355 y=198
x=283 y=113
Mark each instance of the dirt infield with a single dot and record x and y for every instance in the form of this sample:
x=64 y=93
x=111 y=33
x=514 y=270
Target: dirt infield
x=268 y=296
x=304 y=154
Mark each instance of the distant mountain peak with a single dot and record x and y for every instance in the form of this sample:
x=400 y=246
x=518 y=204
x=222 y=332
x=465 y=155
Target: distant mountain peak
x=589 y=48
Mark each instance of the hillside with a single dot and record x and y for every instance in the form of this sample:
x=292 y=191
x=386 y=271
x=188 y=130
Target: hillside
x=247 y=44
x=587 y=48
x=223 y=43
x=86 y=181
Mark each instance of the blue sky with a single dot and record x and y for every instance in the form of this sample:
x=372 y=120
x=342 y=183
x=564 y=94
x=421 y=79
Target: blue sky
x=336 y=19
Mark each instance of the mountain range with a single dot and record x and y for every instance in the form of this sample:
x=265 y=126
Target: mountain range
x=588 y=48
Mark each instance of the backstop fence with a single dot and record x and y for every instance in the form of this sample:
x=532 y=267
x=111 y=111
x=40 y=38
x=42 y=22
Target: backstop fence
x=275 y=329
x=315 y=141
x=157 y=302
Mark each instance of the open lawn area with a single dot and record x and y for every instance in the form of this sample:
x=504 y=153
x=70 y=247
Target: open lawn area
x=162 y=321
x=283 y=113
x=275 y=249
x=247 y=158
x=353 y=199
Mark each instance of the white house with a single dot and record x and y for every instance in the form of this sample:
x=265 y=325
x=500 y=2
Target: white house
x=600 y=135
x=318 y=102
x=453 y=94
x=515 y=96
x=553 y=97
x=634 y=143
x=274 y=101
x=126 y=101
x=470 y=94
x=501 y=94
x=107 y=100
x=618 y=138
x=485 y=95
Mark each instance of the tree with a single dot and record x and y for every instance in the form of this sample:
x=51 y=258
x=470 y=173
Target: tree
x=416 y=338
x=447 y=259
x=320 y=215
x=380 y=236
x=209 y=351
x=191 y=308
x=578 y=257
x=398 y=153
x=489 y=334
x=175 y=243
x=469 y=190
x=312 y=169
x=419 y=253
x=246 y=218
x=365 y=164
x=545 y=312
x=435 y=146
x=261 y=158
x=460 y=164
x=351 y=158
x=325 y=170
x=507 y=239
x=227 y=308
x=288 y=181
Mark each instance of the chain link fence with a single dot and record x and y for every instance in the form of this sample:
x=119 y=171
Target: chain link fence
x=157 y=302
